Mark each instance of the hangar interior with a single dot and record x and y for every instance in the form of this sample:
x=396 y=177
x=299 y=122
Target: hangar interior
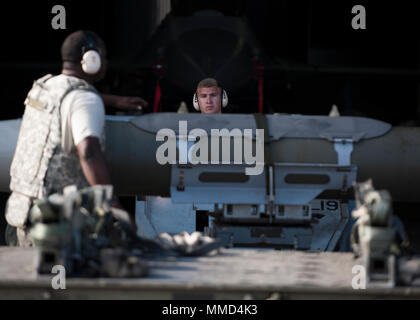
x=310 y=55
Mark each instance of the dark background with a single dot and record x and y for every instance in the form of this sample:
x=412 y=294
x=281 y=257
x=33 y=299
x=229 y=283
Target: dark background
x=313 y=57
x=303 y=33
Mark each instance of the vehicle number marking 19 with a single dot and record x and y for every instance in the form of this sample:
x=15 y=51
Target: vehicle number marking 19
x=325 y=205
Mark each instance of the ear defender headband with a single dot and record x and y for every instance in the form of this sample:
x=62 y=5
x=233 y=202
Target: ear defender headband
x=91 y=61
x=225 y=100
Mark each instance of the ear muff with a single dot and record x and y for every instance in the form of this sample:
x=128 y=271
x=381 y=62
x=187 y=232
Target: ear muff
x=91 y=60
x=195 y=102
x=225 y=100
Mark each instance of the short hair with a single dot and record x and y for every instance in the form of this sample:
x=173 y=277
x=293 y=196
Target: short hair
x=207 y=83
x=73 y=46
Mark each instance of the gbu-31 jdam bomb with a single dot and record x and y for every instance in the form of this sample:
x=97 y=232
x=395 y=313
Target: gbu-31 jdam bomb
x=307 y=146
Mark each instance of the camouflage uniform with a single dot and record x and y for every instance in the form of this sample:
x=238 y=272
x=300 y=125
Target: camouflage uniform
x=40 y=167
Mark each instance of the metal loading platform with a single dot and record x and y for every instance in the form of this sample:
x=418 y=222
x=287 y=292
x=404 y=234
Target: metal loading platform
x=228 y=274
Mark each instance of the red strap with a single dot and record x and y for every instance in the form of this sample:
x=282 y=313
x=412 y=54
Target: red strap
x=259 y=69
x=158 y=94
x=260 y=94
x=158 y=68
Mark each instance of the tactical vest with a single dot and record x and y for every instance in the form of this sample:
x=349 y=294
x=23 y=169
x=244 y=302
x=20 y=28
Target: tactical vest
x=40 y=167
